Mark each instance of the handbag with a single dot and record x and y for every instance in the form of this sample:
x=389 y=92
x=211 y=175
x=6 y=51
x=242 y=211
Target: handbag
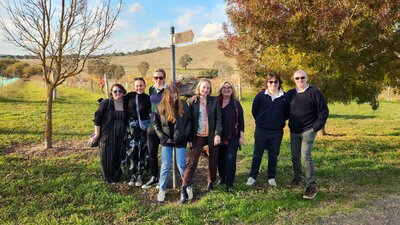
x=91 y=143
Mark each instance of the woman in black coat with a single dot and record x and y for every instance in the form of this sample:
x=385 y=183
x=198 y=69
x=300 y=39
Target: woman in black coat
x=110 y=121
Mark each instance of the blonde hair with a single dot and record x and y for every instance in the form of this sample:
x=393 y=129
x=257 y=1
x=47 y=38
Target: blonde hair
x=199 y=84
x=233 y=89
x=166 y=109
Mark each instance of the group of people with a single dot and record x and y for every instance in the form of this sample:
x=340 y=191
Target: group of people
x=130 y=127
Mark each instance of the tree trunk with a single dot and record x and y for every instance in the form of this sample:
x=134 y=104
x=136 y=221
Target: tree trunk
x=48 y=133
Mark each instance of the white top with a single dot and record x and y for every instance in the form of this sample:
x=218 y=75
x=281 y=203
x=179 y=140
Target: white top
x=273 y=97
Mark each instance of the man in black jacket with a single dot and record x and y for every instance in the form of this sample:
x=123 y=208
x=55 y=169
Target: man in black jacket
x=308 y=115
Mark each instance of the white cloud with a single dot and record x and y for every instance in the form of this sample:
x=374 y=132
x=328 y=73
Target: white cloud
x=154 y=33
x=135 y=7
x=189 y=17
x=211 y=31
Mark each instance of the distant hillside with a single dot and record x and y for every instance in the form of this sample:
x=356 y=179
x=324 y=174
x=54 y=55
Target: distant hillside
x=204 y=54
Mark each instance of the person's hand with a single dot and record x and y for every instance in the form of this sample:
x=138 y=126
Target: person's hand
x=94 y=138
x=169 y=141
x=190 y=144
x=241 y=140
x=193 y=99
x=217 y=140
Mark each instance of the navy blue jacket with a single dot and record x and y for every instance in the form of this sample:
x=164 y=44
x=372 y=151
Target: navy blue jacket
x=269 y=114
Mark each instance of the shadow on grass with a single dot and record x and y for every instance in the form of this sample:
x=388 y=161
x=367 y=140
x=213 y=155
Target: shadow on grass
x=39 y=133
x=350 y=117
x=5 y=99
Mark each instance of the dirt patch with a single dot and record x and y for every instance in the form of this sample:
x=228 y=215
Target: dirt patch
x=381 y=212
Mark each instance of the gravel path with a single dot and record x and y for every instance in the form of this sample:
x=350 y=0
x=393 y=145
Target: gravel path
x=385 y=211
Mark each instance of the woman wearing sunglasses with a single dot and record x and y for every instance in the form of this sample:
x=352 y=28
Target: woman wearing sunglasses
x=110 y=121
x=269 y=111
x=156 y=93
x=139 y=116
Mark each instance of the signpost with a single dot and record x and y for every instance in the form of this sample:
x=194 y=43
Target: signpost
x=178 y=38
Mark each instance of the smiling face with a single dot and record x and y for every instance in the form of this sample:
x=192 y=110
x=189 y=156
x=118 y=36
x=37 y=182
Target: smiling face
x=226 y=90
x=273 y=85
x=117 y=93
x=205 y=88
x=140 y=86
x=158 y=79
x=300 y=79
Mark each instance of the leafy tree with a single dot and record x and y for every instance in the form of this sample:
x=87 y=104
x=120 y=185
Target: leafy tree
x=224 y=68
x=209 y=73
x=143 y=67
x=347 y=47
x=4 y=63
x=115 y=71
x=185 y=60
x=16 y=69
x=62 y=34
x=32 y=70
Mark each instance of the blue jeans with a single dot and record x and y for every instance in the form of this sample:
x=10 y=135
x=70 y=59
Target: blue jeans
x=270 y=140
x=227 y=161
x=166 y=158
x=301 y=147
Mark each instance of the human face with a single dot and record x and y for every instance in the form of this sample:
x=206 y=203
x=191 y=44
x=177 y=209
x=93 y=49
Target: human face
x=174 y=97
x=205 y=88
x=139 y=86
x=300 y=79
x=158 y=79
x=273 y=85
x=226 y=90
x=117 y=93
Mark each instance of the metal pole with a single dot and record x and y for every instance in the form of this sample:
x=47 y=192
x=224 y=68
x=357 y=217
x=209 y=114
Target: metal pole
x=106 y=85
x=173 y=83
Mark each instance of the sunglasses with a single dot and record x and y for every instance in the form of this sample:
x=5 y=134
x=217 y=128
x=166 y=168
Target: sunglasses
x=297 y=78
x=117 y=91
x=273 y=81
x=158 y=78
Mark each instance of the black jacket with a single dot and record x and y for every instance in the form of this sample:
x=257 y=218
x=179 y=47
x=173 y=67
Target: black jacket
x=214 y=118
x=144 y=105
x=104 y=117
x=182 y=127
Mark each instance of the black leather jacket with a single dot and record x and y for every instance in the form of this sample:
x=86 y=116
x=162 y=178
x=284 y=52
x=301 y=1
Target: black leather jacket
x=182 y=127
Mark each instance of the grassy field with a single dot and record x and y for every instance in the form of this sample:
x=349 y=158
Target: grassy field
x=358 y=162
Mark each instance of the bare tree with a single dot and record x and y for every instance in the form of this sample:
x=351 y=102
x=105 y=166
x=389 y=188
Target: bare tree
x=62 y=36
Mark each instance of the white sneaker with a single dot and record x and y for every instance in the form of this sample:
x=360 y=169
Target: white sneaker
x=139 y=181
x=189 y=190
x=251 y=181
x=161 y=196
x=158 y=186
x=272 y=182
x=132 y=181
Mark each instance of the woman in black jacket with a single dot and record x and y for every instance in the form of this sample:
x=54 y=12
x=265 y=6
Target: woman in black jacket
x=206 y=120
x=110 y=121
x=232 y=133
x=173 y=127
x=139 y=107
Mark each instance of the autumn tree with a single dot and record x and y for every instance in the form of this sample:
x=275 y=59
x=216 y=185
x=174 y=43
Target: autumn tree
x=143 y=67
x=185 y=60
x=348 y=47
x=224 y=68
x=62 y=34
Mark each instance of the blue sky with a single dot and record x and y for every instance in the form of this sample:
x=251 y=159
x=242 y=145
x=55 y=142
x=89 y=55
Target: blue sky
x=146 y=23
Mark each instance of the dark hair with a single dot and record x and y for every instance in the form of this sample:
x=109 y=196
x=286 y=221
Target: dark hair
x=160 y=71
x=271 y=75
x=140 y=78
x=120 y=87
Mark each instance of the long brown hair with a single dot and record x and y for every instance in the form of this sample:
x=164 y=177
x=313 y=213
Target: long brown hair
x=166 y=108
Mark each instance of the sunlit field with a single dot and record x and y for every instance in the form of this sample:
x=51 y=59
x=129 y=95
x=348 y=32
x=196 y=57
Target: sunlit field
x=357 y=162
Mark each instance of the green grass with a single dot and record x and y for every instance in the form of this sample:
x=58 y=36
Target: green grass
x=358 y=162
